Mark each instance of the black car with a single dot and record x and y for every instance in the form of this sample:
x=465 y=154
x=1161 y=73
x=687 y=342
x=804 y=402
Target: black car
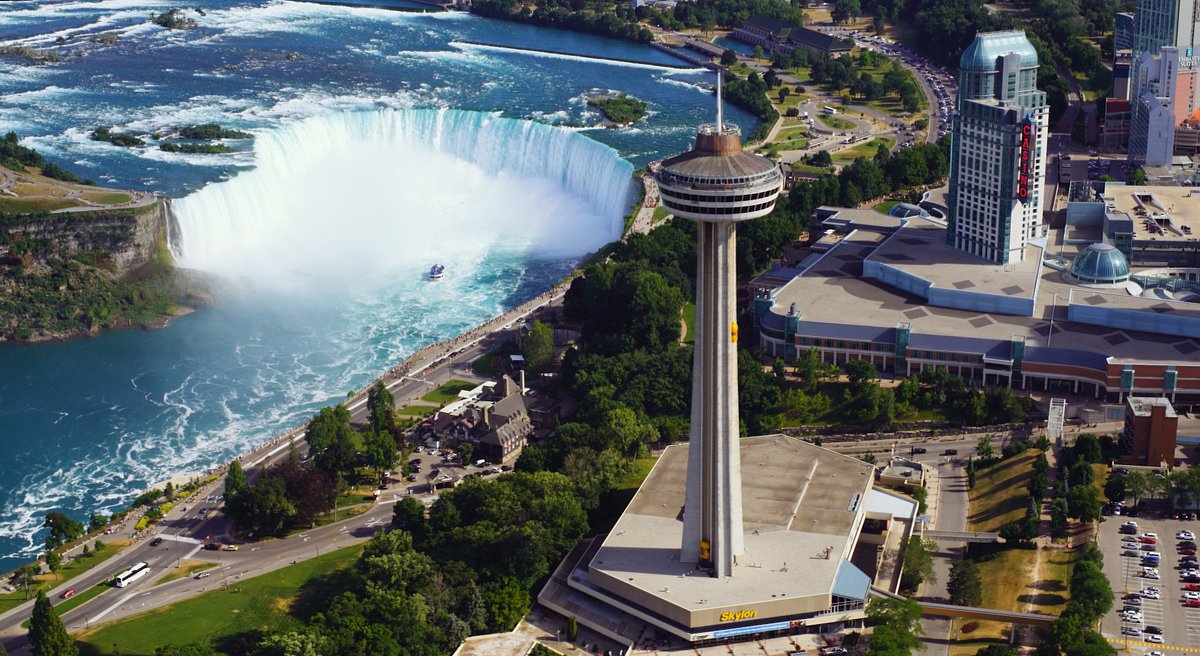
x=1130 y=553
x=1151 y=629
x=1190 y=578
x=919 y=449
x=950 y=452
x=155 y=542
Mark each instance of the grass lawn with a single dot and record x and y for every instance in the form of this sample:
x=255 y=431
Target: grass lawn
x=486 y=364
x=107 y=197
x=416 y=410
x=1000 y=495
x=190 y=568
x=886 y=206
x=276 y=601
x=801 y=167
x=1006 y=579
x=660 y=213
x=835 y=122
x=448 y=392
x=77 y=600
x=689 y=320
x=34 y=204
x=613 y=503
x=866 y=149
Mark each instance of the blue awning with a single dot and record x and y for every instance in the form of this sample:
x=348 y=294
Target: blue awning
x=851 y=582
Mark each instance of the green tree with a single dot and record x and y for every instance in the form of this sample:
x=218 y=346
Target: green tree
x=1083 y=503
x=331 y=441
x=1058 y=518
x=1137 y=176
x=47 y=635
x=728 y=58
x=822 y=159
x=572 y=628
x=409 y=515
x=63 y=529
x=878 y=23
x=784 y=92
x=380 y=449
x=965 y=586
x=381 y=408
x=97 y=522
x=844 y=10
x=466 y=451
x=268 y=507
x=758 y=52
x=237 y=489
x=918 y=563
x=538 y=347
x=997 y=650
x=1087 y=448
x=169 y=491
x=984 y=448
x=54 y=562
x=507 y=602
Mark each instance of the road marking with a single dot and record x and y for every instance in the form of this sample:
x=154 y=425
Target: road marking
x=1150 y=645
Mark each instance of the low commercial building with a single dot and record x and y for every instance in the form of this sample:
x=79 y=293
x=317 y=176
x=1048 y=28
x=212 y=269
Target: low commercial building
x=1152 y=226
x=818 y=537
x=891 y=292
x=493 y=416
x=1151 y=427
x=776 y=35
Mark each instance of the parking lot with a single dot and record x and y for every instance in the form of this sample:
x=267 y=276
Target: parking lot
x=1123 y=564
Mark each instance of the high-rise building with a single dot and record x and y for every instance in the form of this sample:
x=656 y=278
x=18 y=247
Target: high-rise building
x=1159 y=23
x=716 y=185
x=1124 y=27
x=998 y=149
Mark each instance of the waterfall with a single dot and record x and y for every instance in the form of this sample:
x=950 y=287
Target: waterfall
x=343 y=189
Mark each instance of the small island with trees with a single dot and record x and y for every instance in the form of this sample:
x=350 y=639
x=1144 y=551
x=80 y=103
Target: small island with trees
x=173 y=20
x=620 y=109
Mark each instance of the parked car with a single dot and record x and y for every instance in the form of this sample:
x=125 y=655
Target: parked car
x=950 y=452
x=919 y=449
x=1154 y=638
x=1150 y=628
x=1131 y=630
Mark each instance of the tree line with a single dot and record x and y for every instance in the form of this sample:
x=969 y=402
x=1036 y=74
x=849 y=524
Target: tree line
x=21 y=159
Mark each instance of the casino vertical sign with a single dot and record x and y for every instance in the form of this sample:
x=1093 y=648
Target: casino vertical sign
x=1025 y=159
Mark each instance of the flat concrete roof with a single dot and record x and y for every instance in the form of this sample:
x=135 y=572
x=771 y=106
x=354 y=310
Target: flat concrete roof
x=1141 y=405
x=1120 y=299
x=920 y=249
x=798 y=500
x=1180 y=205
x=835 y=292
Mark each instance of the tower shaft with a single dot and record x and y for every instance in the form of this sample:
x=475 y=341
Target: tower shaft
x=712 y=516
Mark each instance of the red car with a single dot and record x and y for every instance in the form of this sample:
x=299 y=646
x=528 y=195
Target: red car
x=1192 y=603
x=1187 y=551
x=1148 y=540
x=68 y=594
x=1192 y=587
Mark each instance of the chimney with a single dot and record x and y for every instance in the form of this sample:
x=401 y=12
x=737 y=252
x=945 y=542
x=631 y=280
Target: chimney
x=522 y=382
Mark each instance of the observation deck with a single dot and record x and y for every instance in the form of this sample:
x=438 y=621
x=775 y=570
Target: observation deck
x=717 y=180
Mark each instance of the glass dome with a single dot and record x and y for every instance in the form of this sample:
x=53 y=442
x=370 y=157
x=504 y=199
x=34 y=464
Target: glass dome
x=1100 y=264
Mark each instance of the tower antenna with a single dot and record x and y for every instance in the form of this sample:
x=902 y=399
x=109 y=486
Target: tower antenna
x=720 y=126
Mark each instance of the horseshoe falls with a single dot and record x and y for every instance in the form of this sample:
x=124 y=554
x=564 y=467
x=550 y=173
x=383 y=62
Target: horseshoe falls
x=382 y=145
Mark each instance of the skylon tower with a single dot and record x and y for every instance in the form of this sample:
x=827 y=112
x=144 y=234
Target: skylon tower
x=717 y=185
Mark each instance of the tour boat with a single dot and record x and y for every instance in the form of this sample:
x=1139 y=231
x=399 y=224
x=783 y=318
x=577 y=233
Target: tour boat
x=437 y=272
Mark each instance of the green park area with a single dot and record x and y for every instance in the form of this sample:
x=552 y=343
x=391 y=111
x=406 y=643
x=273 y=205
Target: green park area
x=789 y=138
x=835 y=122
x=1000 y=494
x=448 y=392
x=614 y=502
x=865 y=149
x=277 y=601
x=45 y=582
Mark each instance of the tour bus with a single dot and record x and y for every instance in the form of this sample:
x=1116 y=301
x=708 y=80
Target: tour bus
x=132 y=574
x=829 y=110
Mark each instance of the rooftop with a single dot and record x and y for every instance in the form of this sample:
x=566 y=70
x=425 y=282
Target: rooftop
x=1158 y=212
x=798 y=501
x=1141 y=405
x=833 y=297
x=987 y=47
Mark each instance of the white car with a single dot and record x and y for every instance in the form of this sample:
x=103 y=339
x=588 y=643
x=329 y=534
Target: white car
x=1131 y=630
x=1153 y=536
x=1130 y=616
x=1153 y=637
x=1150 y=594
x=1185 y=535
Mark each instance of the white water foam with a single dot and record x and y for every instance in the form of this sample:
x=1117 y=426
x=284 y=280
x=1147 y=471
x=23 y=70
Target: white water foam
x=340 y=197
x=565 y=57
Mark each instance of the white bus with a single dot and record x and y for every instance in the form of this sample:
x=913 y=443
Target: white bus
x=829 y=110
x=132 y=574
